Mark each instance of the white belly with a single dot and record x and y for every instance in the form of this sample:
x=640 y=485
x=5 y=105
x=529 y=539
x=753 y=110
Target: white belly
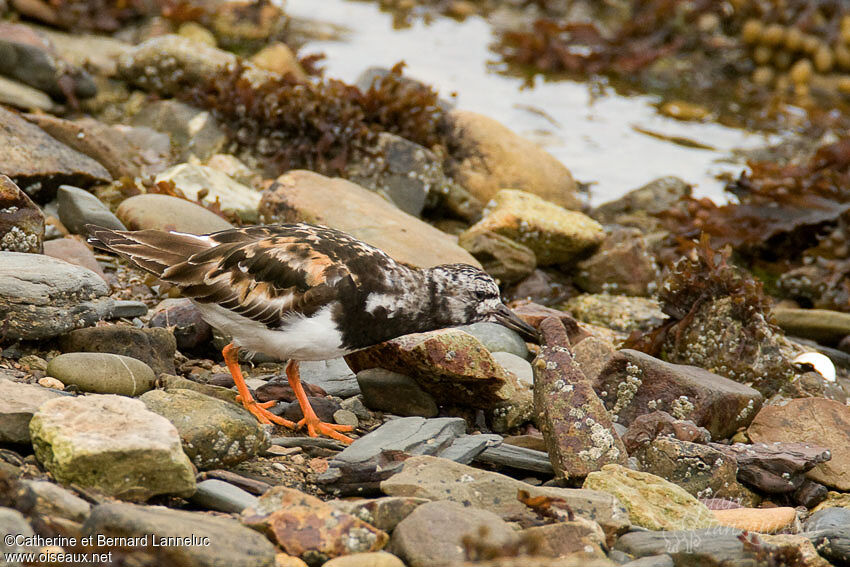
x=304 y=338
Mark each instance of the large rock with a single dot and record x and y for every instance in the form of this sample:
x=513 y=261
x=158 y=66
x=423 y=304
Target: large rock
x=494 y=157
x=18 y=403
x=164 y=212
x=577 y=428
x=19 y=95
x=656 y=196
x=554 y=234
x=39 y=164
x=304 y=196
x=434 y=534
x=623 y=265
x=169 y=63
x=21 y=221
x=383 y=513
x=304 y=526
x=107 y=145
x=215 y=433
x=234 y=197
x=184 y=320
x=450 y=364
x=395 y=393
x=818 y=421
x=702 y=471
x=78 y=207
x=42 y=297
x=617 y=312
x=193 y=133
x=200 y=540
x=440 y=479
x=113 y=444
x=29 y=57
x=504 y=259
x=102 y=373
x=633 y=383
x=155 y=347
x=652 y=502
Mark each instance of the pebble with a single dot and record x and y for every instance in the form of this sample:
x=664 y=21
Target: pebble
x=103 y=373
x=113 y=444
x=18 y=403
x=346 y=417
x=78 y=207
x=290 y=518
x=497 y=338
x=234 y=197
x=164 y=212
x=434 y=533
x=220 y=540
x=184 y=320
x=215 y=434
x=51 y=382
x=385 y=390
x=761 y=520
x=383 y=513
x=215 y=494
x=376 y=559
x=555 y=235
x=506 y=260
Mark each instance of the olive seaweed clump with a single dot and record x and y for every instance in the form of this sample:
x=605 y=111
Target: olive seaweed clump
x=318 y=125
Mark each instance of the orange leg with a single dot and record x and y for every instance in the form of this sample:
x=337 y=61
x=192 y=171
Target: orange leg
x=259 y=410
x=314 y=425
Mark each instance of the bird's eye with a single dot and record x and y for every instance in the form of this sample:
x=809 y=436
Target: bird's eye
x=480 y=294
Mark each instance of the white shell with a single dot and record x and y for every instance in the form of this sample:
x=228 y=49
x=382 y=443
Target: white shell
x=821 y=363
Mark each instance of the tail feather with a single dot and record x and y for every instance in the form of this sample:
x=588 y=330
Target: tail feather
x=151 y=250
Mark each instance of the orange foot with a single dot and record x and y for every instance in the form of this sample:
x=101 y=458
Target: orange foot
x=315 y=426
x=257 y=409
x=263 y=415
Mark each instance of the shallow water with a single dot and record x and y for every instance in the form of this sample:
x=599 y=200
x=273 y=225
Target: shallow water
x=594 y=136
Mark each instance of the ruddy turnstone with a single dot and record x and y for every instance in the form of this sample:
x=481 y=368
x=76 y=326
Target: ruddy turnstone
x=304 y=292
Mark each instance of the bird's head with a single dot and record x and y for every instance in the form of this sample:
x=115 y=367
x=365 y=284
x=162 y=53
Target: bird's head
x=472 y=296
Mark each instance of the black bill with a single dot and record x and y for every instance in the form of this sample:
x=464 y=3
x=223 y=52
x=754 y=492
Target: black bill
x=509 y=319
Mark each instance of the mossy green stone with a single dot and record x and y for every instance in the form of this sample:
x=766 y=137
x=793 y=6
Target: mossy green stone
x=652 y=502
x=214 y=433
x=113 y=444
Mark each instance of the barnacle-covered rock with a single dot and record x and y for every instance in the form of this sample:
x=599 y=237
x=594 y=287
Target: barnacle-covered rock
x=21 y=221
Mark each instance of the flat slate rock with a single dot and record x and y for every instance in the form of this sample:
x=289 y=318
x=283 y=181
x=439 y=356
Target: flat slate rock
x=521 y=458
x=39 y=164
x=375 y=456
x=43 y=297
x=218 y=541
x=222 y=496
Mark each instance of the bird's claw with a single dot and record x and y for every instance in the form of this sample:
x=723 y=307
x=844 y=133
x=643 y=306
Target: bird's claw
x=316 y=427
x=264 y=416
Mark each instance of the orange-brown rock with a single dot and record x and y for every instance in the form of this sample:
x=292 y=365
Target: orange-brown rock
x=762 y=520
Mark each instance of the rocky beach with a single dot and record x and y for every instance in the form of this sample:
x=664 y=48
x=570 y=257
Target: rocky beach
x=687 y=403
